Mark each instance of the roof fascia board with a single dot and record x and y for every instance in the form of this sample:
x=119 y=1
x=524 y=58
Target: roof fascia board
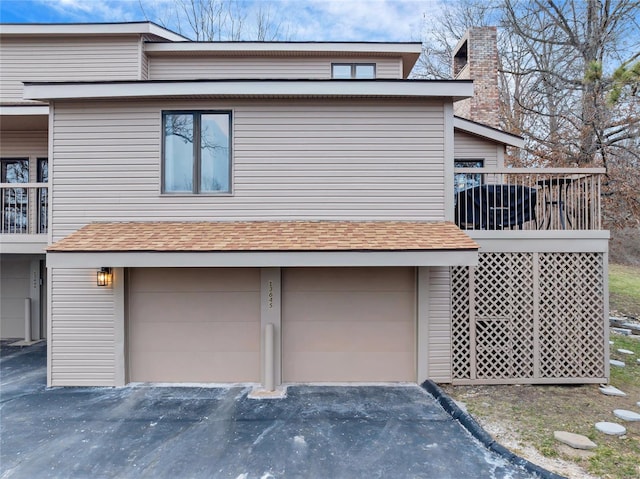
x=261 y=259
x=133 y=28
x=280 y=47
x=26 y=110
x=251 y=88
x=487 y=132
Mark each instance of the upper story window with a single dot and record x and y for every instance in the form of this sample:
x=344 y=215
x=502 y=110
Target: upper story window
x=353 y=70
x=463 y=181
x=196 y=154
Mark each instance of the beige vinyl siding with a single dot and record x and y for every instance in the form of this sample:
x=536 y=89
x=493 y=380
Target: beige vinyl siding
x=439 y=347
x=14 y=288
x=65 y=59
x=144 y=75
x=198 y=67
x=23 y=144
x=474 y=148
x=82 y=330
x=298 y=160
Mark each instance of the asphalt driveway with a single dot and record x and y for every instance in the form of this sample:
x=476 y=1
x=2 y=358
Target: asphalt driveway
x=197 y=432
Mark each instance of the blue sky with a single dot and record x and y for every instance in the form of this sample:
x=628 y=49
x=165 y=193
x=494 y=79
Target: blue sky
x=328 y=20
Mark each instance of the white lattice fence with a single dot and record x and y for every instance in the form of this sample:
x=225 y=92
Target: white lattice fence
x=528 y=317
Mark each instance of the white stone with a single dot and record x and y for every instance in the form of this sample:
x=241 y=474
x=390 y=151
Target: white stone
x=611 y=428
x=625 y=351
x=611 y=343
x=615 y=362
x=626 y=415
x=611 y=391
x=576 y=441
x=623 y=331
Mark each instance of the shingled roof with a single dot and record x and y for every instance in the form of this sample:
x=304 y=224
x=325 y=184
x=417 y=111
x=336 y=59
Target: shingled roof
x=266 y=236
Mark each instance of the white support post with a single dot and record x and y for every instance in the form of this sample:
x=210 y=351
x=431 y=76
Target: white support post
x=270 y=324
x=27 y=320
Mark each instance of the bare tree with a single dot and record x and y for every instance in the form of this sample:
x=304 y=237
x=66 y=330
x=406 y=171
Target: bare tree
x=220 y=20
x=568 y=82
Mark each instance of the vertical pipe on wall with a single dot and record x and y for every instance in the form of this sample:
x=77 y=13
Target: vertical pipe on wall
x=27 y=319
x=269 y=359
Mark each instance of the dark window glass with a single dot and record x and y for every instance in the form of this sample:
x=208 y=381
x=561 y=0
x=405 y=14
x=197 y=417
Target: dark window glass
x=14 y=201
x=462 y=181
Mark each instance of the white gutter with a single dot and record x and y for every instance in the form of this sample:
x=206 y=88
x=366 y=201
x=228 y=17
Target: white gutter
x=251 y=88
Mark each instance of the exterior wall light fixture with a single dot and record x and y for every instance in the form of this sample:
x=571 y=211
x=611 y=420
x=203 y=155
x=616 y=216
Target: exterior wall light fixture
x=104 y=277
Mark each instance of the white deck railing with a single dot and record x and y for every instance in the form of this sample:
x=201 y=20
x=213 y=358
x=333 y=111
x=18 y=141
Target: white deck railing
x=528 y=198
x=24 y=208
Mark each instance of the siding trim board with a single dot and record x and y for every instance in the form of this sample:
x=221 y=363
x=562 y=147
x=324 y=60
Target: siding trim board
x=264 y=259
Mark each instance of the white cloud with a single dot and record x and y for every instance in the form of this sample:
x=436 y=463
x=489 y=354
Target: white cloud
x=93 y=10
x=303 y=20
x=356 y=20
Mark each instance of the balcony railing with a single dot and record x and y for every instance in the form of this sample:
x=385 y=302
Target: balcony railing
x=528 y=198
x=24 y=208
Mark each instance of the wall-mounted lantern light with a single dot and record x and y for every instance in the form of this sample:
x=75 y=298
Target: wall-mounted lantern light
x=104 y=277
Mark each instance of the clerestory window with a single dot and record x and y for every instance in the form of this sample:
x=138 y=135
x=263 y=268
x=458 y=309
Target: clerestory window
x=353 y=71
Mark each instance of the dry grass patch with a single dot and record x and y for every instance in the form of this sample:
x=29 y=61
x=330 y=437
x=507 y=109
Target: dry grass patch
x=523 y=418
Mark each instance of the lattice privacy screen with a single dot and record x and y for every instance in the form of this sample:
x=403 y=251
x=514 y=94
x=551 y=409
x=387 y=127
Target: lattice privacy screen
x=528 y=317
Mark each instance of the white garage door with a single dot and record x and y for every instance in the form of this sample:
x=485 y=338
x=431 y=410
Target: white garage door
x=194 y=325
x=348 y=324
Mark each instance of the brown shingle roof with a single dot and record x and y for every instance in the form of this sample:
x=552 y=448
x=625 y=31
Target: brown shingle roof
x=267 y=236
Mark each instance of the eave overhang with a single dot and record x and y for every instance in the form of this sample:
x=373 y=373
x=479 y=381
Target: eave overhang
x=487 y=132
x=90 y=29
x=264 y=244
x=24 y=110
x=411 y=89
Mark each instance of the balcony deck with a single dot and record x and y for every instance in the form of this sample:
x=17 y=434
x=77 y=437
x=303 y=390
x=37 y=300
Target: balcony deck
x=532 y=199
x=24 y=217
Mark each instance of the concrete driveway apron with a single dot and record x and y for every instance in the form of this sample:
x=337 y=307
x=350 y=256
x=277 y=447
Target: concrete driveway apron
x=202 y=432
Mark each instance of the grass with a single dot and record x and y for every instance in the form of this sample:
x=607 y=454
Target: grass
x=526 y=416
x=624 y=289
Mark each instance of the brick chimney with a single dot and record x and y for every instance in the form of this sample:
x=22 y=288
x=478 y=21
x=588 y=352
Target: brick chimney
x=476 y=58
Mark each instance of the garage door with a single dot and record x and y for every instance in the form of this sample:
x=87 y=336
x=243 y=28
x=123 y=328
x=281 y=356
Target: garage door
x=348 y=324
x=194 y=325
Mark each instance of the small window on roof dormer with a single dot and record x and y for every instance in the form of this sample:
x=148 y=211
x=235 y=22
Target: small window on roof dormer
x=347 y=71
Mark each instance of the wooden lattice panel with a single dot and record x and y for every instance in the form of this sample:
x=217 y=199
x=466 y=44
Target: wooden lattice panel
x=460 y=334
x=571 y=315
x=504 y=316
x=528 y=317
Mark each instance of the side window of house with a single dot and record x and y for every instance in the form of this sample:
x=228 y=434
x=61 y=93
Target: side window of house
x=347 y=71
x=196 y=153
x=14 y=202
x=462 y=181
